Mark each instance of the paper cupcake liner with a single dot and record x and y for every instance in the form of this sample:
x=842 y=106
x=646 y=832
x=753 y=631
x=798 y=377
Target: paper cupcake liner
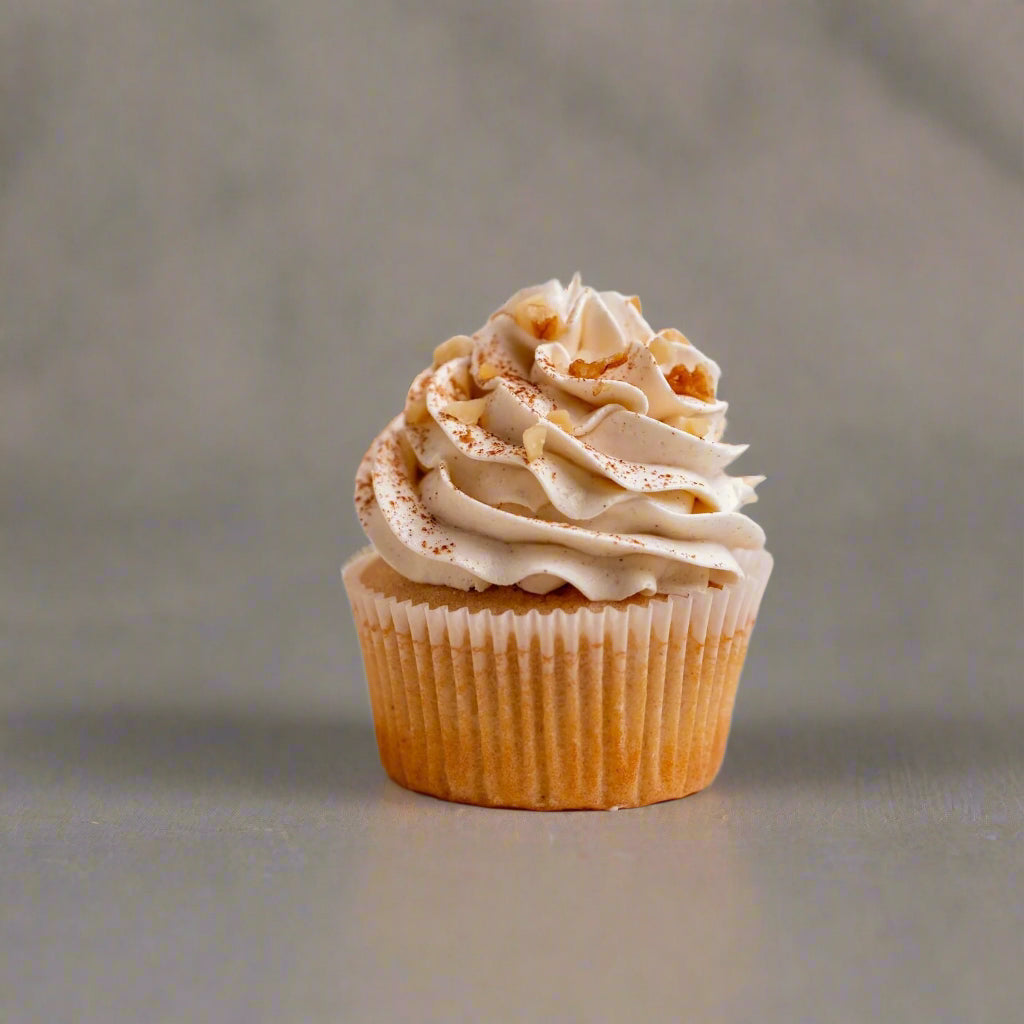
x=595 y=708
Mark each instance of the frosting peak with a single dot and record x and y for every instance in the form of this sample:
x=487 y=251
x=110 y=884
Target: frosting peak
x=564 y=442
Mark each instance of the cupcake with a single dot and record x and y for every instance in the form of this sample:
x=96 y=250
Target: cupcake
x=561 y=585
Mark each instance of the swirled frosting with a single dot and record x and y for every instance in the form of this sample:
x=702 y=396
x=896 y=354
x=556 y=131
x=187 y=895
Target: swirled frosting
x=565 y=442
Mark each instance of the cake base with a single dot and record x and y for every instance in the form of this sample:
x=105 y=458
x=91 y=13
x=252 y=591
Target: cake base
x=509 y=699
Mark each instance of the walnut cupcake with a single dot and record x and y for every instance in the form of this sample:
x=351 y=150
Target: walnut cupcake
x=561 y=587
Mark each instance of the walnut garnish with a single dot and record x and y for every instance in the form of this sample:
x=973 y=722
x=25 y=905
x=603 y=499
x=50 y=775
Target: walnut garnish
x=467 y=412
x=591 y=371
x=453 y=348
x=533 y=440
x=461 y=384
x=696 y=425
x=695 y=383
x=661 y=344
x=660 y=348
x=416 y=409
x=671 y=334
x=538 y=319
x=487 y=371
x=560 y=418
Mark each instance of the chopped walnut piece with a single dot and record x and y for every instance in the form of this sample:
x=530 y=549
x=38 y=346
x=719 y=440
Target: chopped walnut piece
x=560 y=418
x=671 y=334
x=467 y=412
x=538 y=319
x=487 y=371
x=416 y=409
x=696 y=383
x=661 y=344
x=696 y=425
x=591 y=371
x=660 y=348
x=461 y=384
x=453 y=348
x=533 y=440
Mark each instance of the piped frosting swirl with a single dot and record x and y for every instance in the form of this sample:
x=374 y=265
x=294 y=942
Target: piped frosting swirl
x=565 y=442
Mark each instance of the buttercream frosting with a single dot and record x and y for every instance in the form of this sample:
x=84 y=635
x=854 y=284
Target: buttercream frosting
x=565 y=442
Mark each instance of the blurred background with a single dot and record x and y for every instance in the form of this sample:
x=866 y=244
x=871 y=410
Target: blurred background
x=232 y=232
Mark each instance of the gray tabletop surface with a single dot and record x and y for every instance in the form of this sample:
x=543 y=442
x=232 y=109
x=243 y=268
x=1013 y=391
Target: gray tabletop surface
x=230 y=235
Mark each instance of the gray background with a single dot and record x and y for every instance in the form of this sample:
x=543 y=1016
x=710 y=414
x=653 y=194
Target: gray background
x=230 y=234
